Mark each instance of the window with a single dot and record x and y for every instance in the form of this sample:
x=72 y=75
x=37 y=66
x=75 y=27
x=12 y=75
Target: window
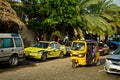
x=42 y=45
x=78 y=46
x=117 y=51
x=52 y=45
x=57 y=45
x=18 y=42
x=8 y=42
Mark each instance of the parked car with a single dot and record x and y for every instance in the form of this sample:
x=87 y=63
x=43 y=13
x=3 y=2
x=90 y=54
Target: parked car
x=68 y=50
x=45 y=49
x=103 y=48
x=112 y=63
x=11 y=48
x=114 y=43
x=68 y=46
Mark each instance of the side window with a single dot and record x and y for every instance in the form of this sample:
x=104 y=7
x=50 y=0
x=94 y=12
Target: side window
x=52 y=45
x=8 y=42
x=57 y=45
x=1 y=43
x=18 y=42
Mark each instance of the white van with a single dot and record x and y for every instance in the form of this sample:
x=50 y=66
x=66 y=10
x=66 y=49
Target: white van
x=11 y=48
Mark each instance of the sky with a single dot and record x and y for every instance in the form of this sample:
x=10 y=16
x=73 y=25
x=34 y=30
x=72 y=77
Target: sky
x=117 y=2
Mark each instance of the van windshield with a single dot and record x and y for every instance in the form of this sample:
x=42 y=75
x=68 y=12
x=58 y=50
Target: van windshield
x=78 y=46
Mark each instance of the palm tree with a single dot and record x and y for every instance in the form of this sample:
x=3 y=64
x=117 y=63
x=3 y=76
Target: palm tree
x=110 y=13
x=95 y=18
x=9 y=16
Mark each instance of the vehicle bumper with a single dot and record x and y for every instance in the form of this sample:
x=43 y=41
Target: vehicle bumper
x=80 y=61
x=110 y=68
x=35 y=56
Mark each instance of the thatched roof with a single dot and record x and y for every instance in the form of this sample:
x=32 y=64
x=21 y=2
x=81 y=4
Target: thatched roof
x=8 y=14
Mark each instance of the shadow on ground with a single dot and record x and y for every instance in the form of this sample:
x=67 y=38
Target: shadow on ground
x=24 y=64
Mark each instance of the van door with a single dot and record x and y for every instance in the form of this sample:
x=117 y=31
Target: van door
x=6 y=48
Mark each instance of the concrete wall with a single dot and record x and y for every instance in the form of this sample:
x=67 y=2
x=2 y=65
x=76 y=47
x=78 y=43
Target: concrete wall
x=29 y=36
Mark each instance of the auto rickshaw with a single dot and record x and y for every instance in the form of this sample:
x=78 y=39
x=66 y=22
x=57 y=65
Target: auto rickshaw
x=81 y=53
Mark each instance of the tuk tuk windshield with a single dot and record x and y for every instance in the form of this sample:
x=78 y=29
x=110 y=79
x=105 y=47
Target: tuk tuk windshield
x=78 y=46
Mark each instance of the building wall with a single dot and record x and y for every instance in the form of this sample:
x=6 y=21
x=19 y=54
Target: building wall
x=29 y=36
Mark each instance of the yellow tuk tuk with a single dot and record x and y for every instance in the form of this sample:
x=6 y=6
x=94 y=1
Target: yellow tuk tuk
x=84 y=52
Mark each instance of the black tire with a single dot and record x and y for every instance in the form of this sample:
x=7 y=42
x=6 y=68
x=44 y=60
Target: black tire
x=74 y=65
x=13 y=61
x=44 y=57
x=61 y=55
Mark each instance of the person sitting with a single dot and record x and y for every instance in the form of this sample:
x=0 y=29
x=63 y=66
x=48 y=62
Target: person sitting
x=93 y=51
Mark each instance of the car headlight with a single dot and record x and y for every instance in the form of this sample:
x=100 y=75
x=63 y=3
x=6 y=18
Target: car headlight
x=81 y=55
x=109 y=61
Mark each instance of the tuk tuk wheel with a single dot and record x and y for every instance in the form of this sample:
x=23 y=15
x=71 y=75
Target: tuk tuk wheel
x=74 y=65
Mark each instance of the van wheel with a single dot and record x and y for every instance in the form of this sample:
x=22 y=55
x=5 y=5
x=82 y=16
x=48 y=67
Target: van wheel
x=13 y=61
x=61 y=55
x=44 y=57
x=74 y=65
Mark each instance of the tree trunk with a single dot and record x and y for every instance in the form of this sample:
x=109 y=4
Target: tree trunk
x=106 y=38
x=78 y=32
